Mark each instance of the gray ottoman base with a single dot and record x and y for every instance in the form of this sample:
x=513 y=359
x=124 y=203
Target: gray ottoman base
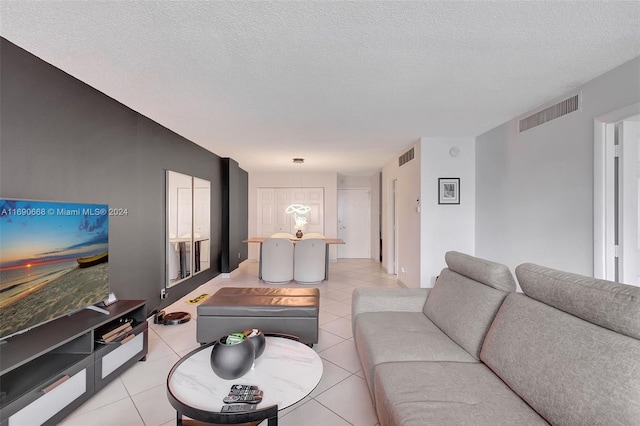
x=291 y=311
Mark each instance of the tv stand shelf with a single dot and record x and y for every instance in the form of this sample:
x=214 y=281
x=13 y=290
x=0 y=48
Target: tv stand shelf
x=59 y=365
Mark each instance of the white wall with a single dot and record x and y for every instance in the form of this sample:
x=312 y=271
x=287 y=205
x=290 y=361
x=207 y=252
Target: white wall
x=535 y=189
x=389 y=173
x=408 y=229
x=446 y=227
x=424 y=237
x=376 y=216
x=328 y=181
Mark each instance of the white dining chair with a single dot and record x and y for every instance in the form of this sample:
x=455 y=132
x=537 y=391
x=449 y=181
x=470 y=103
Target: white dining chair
x=277 y=261
x=309 y=261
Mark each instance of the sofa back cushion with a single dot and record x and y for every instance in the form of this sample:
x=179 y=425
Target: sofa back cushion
x=466 y=298
x=610 y=305
x=571 y=371
x=489 y=273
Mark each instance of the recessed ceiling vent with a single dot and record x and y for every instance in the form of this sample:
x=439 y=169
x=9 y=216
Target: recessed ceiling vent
x=558 y=110
x=405 y=158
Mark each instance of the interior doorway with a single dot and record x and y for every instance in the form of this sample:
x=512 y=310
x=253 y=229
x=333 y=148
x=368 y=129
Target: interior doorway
x=617 y=196
x=394 y=231
x=354 y=223
x=628 y=142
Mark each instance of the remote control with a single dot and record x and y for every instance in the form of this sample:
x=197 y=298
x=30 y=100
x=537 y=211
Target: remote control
x=236 y=408
x=245 y=392
x=249 y=399
x=243 y=387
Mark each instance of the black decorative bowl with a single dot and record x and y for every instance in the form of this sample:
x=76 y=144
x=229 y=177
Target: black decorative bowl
x=232 y=361
x=259 y=341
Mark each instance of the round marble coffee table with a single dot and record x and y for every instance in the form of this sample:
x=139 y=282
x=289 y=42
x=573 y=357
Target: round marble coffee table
x=286 y=372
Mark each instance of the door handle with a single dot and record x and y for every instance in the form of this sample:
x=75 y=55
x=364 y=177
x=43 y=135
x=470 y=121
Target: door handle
x=55 y=384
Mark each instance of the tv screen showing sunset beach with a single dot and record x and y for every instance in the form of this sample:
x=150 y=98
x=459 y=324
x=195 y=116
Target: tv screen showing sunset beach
x=53 y=261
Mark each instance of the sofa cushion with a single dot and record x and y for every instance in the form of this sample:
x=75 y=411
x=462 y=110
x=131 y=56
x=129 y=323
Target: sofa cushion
x=386 y=299
x=447 y=393
x=490 y=273
x=402 y=336
x=608 y=304
x=570 y=371
x=466 y=298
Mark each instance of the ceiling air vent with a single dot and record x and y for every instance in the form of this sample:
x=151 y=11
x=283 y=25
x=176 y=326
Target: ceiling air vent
x=548 y=114
x=405 y=158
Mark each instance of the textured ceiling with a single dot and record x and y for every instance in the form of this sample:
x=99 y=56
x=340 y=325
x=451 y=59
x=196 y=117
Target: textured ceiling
x=346 y=85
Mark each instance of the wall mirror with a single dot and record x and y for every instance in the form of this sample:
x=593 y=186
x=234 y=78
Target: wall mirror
x=188 y=226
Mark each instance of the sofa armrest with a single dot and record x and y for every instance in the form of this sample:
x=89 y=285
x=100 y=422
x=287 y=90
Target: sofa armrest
x=388 y=299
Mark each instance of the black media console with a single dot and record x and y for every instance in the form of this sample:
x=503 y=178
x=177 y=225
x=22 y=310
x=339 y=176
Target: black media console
x=49 y=371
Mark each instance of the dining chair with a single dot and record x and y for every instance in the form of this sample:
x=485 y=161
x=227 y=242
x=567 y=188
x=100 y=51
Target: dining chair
x=277 y=260
x=309 y=261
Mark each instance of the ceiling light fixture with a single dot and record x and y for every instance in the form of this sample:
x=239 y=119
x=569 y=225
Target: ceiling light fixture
x=299 y=211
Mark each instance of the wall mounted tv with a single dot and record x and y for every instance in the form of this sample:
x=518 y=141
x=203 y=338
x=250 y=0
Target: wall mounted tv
x=53 y=261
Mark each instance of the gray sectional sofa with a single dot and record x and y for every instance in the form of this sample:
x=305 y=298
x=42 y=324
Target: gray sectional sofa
x=472 y=351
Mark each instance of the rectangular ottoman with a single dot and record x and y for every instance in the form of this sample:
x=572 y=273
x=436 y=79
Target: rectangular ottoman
x=280 y=310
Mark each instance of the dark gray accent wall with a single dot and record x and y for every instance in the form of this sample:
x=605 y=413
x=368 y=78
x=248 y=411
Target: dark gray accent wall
x=62 y=140
x=235 y=208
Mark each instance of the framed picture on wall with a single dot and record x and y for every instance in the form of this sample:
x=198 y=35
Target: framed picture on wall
x=449 y=191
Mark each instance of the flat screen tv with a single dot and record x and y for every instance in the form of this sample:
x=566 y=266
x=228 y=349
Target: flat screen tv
x=53 y=261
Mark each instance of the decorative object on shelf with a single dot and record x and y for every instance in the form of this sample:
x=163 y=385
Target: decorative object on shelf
x=109 y=300
x=449 y=191
x=232 y=356
x=299 y=233
x=256 y=337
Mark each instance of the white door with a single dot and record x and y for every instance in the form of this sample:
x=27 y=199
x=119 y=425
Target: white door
x=315 y=218
x=282 y=200
x=266 y=212
x=354 y=223
x=629 y=188
x=272 y=210
x=616 y=215
x=617 y=200
x=394 y=239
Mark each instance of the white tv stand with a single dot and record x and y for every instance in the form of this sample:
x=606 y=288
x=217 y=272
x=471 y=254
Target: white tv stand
x=49 y=371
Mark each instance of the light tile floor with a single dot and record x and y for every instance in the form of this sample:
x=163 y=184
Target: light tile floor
x=138 y=397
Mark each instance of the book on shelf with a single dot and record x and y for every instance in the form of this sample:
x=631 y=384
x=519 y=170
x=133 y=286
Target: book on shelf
x=117 y=332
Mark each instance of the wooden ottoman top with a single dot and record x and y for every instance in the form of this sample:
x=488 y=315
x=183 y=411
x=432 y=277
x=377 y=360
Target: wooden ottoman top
x=262 y=301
